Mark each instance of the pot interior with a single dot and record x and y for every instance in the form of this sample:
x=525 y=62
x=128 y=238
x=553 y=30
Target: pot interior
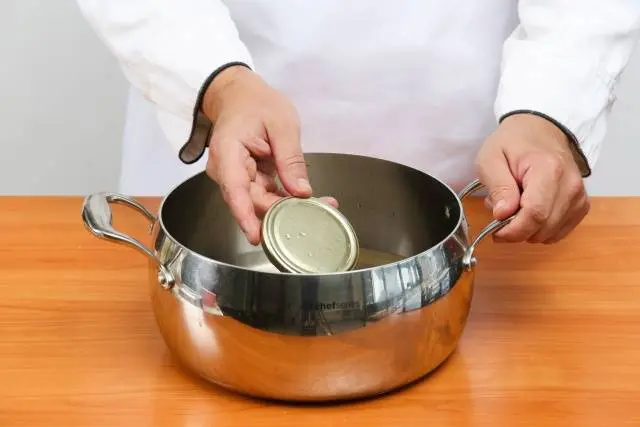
x=397 y=211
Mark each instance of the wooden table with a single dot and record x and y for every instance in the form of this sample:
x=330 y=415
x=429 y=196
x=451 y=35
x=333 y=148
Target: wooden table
x=553 y=338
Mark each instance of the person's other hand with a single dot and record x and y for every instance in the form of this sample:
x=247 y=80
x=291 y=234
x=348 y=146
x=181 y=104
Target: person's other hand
x=527 y=164
x=256 y=137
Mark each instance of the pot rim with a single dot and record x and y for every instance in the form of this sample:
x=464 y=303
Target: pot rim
x=160 y=221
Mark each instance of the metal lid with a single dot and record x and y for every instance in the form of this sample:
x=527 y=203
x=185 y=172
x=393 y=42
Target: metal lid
x=308 y=236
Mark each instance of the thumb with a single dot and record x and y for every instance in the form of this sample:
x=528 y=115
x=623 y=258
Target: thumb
x=503 y=189
x=289 y=161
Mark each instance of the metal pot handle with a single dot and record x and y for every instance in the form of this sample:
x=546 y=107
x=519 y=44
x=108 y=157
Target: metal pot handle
x=96 y=214
x=468 y=260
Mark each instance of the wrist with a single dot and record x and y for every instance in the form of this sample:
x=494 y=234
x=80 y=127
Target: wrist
x=541 y=124
x=213 y=95
x=560 y=132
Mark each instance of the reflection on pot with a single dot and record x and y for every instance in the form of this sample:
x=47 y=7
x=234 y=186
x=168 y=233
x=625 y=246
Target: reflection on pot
x=232 y=319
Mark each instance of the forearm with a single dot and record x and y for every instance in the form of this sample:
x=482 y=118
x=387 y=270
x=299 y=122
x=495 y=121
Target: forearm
x=564 y=61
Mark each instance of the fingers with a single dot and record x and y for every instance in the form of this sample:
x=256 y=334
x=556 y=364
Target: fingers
x=578 y=214
x=267 y=178
x=267 y=167
x=235 y=165
x=252 y=168
x=265 y=192
x=538 y=207
x=331 y=201
x=560 y=209
x=289 y=161
x=503 y=189
x=262 y=199
x=227 y=159
x=258 y=147
x=488 y=204
x=572 y=202
x=553 y=202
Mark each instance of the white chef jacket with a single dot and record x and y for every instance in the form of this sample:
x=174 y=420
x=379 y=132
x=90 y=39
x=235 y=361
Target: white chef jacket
x=419 y=82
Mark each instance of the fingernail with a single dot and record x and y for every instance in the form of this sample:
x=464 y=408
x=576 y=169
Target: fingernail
x=304 y=185
x=499 y=205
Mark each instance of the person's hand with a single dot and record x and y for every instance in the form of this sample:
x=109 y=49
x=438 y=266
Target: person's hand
x=527 y=164
x=256 y=137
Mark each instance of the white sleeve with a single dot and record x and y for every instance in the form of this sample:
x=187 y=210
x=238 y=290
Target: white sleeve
x=563 y=62
x=167 y=48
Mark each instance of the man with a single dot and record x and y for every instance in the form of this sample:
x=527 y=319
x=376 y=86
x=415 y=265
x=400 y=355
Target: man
x=421 y=83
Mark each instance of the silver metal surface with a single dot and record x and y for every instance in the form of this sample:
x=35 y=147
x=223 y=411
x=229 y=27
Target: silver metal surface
x=468 y=259
x=235 y=320
x=308 y=236
x=96 y=214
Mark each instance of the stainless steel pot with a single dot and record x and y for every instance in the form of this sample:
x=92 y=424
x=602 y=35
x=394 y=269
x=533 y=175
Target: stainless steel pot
x=233 y=319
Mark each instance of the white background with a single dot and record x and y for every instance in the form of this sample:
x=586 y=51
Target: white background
x=63 y=101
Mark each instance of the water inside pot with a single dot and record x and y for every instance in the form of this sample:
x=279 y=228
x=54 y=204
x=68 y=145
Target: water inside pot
x=257 y=260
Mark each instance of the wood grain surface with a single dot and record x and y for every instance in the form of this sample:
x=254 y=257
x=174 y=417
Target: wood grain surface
x=553 y=338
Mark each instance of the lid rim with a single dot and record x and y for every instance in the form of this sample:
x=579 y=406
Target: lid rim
x=285 y=263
